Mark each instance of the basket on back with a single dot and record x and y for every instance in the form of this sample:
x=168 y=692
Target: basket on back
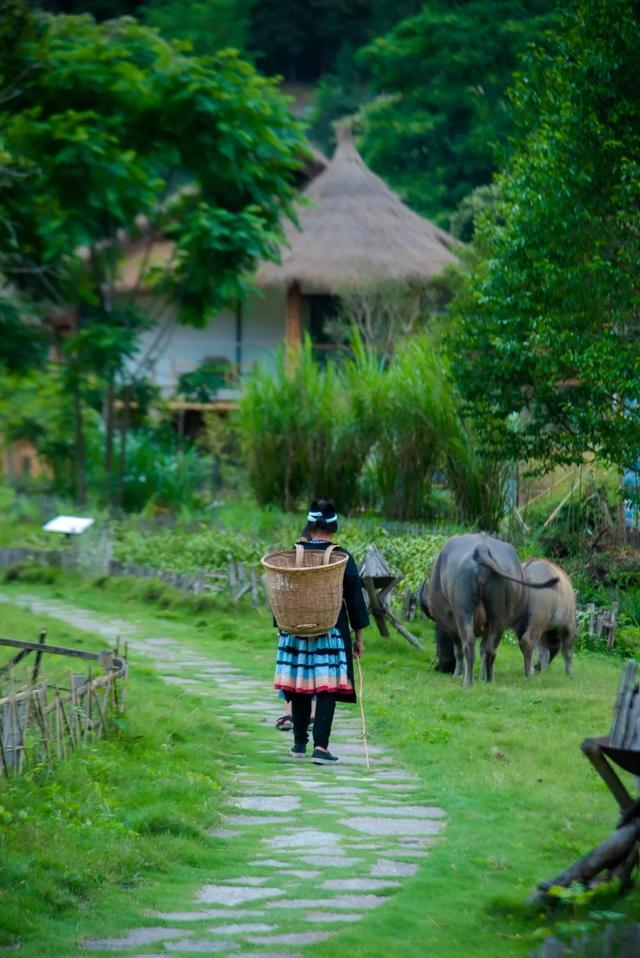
x=305 y=589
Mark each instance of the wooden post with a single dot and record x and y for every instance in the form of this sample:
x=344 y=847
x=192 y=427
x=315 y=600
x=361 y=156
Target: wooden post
x=42 y=638
x=293 y=317
x=592 y=750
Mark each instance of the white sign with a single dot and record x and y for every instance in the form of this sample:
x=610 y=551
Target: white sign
x=68 y=525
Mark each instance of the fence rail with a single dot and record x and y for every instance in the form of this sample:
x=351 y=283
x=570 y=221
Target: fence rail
x=43 y=722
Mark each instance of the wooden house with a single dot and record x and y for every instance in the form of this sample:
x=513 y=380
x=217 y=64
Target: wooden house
x=352 y=229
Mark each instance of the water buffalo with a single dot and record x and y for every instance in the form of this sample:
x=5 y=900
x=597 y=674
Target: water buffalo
x=477 y=588
x=549 y=617
x=446 y=659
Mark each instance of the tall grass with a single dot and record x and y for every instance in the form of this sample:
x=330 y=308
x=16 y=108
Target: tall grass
x=365 y=432
x=301 y=436
x=414 y=414
x=479 y=484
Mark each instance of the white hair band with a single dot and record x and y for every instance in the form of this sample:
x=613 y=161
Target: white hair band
x=314 y=516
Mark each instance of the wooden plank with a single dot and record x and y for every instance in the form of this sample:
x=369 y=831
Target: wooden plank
x=376 y=609
x=622 y=704
x=14 y=661
x=612 y=625
x=409 y=636
x=593 y=752
x=42 y=638
x=605 y=856
x=632 y=728
x=54 y=649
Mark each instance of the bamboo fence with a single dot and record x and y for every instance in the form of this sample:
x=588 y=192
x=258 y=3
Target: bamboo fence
x=41 y=722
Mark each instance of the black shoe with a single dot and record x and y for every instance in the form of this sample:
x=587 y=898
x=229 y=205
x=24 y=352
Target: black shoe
x=321 y=757
x=299 y=751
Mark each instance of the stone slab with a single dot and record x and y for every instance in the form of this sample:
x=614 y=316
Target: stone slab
x=269 y=803
x=253 y=820
x=403 y=811
x=135 y=938
x=358 y=884
x=240 y=928
x=325 y=917
x=305 y=838
x=386 y=827
x=208 y=914
x=295 y=938
x=346 y=902
x=330 y=861
x=386 y=868
x=188 y=946
x=228 y=895
x=246 y=881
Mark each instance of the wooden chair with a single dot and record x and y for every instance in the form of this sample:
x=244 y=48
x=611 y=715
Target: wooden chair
x=617 y=856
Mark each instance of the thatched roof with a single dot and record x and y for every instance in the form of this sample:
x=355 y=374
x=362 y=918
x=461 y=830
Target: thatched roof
x=355 y=230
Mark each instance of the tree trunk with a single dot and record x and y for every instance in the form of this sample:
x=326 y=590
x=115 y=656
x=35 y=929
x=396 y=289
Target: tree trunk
x=109 y=435
x=81 y=492
x=123 y=446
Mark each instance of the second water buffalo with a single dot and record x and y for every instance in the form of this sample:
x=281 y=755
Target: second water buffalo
x=549 y=618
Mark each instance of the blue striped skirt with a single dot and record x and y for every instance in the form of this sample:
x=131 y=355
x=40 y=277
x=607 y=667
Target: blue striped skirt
x=312 y=665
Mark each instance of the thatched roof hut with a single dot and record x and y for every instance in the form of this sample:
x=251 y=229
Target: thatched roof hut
x=354 y=229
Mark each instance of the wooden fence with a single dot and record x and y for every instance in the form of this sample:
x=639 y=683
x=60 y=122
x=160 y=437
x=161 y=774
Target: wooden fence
x=241 y=578
x=40 y=721
x=602 y=623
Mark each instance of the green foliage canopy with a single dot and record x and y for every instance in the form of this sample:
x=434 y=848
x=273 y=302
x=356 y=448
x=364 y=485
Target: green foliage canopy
x=111 y=123
x=548 y=323
x=206 y=25
x=441 y=117
x=112 y=134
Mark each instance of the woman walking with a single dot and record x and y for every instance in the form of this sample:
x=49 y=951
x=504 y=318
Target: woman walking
x=322 y=665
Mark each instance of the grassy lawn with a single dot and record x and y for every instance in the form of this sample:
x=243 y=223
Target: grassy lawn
x=503 y=760
x=124 y=813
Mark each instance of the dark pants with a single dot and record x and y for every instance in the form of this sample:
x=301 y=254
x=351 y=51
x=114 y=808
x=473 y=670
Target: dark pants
x=301 y=713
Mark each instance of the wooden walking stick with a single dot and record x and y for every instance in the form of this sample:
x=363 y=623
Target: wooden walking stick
x=364 y=724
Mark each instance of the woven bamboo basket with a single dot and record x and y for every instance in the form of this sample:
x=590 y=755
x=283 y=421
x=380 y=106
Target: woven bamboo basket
x=305 y=588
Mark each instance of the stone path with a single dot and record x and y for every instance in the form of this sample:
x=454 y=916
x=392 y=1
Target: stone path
x=331 y=843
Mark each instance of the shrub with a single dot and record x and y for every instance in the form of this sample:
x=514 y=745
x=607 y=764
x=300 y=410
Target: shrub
x=301 y=436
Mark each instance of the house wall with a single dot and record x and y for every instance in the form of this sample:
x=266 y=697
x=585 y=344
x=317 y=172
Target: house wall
x=168 y=349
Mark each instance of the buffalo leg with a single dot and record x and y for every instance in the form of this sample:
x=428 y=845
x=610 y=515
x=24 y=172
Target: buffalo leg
x=567 y=652
x=491 y=647
x=445 y=652
x=545 y=656
x=528 y=643
x=468 y=643
x=458 y=651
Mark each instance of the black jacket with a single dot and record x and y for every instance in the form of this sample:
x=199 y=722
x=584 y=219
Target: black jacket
x=353 y=612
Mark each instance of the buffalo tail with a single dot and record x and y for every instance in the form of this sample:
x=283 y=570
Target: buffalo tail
x=483 y=555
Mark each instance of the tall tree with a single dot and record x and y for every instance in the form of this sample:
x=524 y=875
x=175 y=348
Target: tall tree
x=304 y=40
x=440 y=120
x=549 y=322
x=115 y=135
x=206 y=25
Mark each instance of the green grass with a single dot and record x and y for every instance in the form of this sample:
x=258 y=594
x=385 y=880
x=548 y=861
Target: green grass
x=125 y=814
x=503 y=760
